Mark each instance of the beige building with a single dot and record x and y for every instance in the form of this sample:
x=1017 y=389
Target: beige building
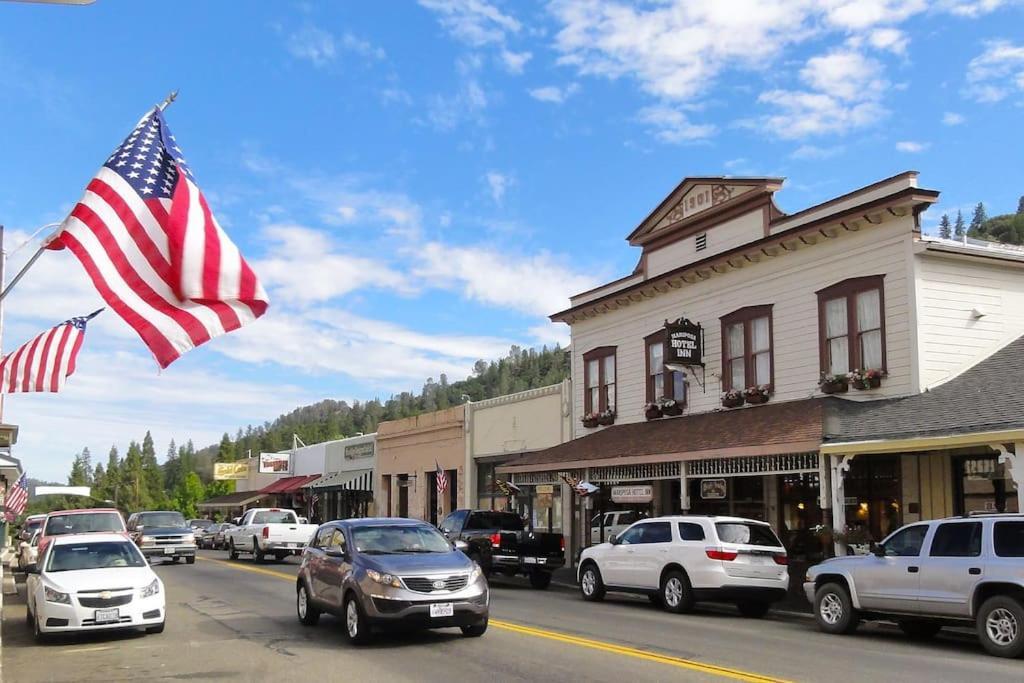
x=409 y=452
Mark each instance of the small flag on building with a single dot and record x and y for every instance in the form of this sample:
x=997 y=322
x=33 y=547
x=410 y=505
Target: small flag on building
x=152 y=248
x=16 y=499
x=442 y=479
x=43 y=363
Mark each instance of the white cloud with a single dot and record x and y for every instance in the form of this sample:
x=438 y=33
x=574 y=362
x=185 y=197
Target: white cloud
x=843 y=74
x=912 y=147
x=468 y=104
x=671 y=125
x=814 y=152
x=321 y=47
x=891 y=39
x=515 y=61
x=498 y=183
x=474 y=22
x=856 y=15
x=364 y=48
x=952 y=119
x=972 y=9
x=554 y=93
x=997 y=72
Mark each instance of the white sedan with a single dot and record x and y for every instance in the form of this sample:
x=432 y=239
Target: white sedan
x=93 y=582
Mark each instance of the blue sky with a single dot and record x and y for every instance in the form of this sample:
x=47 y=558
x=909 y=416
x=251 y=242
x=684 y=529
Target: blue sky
x=418 y=184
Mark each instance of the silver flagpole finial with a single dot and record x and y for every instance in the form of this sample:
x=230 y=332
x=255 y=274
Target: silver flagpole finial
x=168 y=100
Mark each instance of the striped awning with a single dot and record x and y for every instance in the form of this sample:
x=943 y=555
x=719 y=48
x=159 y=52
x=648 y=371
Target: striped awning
x=352 y=480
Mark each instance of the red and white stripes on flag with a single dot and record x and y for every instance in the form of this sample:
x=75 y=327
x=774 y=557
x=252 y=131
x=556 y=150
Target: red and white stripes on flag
x=43 y=363
x=442 y=479
x=16 y=499
x=146 y=236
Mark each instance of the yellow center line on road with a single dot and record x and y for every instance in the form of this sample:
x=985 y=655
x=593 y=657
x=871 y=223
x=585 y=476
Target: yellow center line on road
x=78 y=650
x=569 y=639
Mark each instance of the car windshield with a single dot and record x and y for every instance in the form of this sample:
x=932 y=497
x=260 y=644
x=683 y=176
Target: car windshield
x=83 y=523
x=200 y=523
x=68 y=557
x=747 y=533
x=158 y=519
x=274 y=517
x=385 y=540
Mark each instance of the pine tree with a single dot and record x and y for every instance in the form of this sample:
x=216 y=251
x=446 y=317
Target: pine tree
x=1020 y=204
x=154 y=475
x=189 y=494
x=81 y=471
x=226 y=449
x=976 y=228
x=112 y=478
x=99 y=477
x=958 y=227
x=136 y=494
x=945 y=231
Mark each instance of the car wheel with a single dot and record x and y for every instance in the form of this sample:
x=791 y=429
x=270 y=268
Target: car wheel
x=257 y=552
x=753 y=609
x=191 y=559
x=476 y=630
x=232 y=551
x=308 y=614
x=591 y=585
x=356 y=629
x=834 y=611
x=1001 y=626
x=676 y=595
x=540 y=580
x=920 y=629
x=159 y=628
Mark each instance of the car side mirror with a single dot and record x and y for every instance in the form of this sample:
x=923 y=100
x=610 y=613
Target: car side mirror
x=32 y=568
x=614 y=539
x=877 y=550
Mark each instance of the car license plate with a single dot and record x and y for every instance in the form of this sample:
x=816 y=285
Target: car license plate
x=168 y=551
x=107 y=616
x=442 y=609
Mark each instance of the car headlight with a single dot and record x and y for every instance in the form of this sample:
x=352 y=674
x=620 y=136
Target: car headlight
x=56 y=596
x=190 y=538
x=150 y=590
x=475 y=573
x=384 y=579
x=148 y=539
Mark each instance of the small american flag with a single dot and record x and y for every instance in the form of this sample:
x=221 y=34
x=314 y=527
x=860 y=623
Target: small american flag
x=43 y=363
x=148 y=240
x=442 y=479
x=17 y=498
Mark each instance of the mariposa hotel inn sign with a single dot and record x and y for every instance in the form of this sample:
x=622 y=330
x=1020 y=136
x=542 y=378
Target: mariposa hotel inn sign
x=684 y=342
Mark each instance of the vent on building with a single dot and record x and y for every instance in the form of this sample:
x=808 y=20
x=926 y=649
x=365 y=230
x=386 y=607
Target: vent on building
x=701 y=241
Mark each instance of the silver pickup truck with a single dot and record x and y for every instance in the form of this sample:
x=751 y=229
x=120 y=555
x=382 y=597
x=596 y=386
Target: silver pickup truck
x=266 y=532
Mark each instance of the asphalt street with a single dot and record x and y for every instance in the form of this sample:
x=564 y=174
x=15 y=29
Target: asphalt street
x=235 y=621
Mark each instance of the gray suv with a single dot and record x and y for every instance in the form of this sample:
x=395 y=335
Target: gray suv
x=926 y=575
x=382 y=571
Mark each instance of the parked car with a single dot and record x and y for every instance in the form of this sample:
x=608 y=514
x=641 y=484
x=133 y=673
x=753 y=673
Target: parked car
x=206 y=538
x=615 y=522
x=93 y=582
x=381 y=572
x=268 y=531
x=29 y=526
x=220 y=537
x=28 y=551
x=198 y=525
x=163 y=534
x=83 y=521
x=681 y=560
x=498 y=542
x=930 y=574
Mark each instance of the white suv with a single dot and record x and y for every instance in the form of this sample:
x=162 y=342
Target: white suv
x=680 y=560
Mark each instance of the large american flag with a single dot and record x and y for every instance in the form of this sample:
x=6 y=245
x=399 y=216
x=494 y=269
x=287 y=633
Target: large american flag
x=16 y=499
x=43 y=363
x=146 y=236
x=442 y=479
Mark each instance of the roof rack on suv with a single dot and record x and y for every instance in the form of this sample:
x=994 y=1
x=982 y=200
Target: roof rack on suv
x=987 y=513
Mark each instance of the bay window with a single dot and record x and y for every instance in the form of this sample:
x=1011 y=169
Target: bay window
x=599 y=380
x=661 y=383
x=851 y=325
x=747 y=348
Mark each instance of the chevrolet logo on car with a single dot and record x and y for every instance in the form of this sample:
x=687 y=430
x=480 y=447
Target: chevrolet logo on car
x=105 y=595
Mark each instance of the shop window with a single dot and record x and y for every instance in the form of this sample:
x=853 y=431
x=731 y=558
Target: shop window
x=982 y=484
x=1009 y=539
x=688 y=531
x=907 y=542
x=599 y=380
x=747 y=348
x=661 y=382
x=851 y=325
x=873 y=495
x=957 y=539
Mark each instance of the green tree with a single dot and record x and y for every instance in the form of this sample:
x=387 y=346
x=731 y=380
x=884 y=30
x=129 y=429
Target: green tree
x=189 y=494
x=1020 y=204
x=977 y=221
x=111 y=486
x=81 y=469
x=226 y=449
x=136 y=494
x=958 y=226
x=154 y=475
x=945 y=231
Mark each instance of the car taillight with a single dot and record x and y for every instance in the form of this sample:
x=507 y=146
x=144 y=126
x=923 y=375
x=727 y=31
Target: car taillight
x=266 y=532
x=724 y=555
x=495 y=540
x=561 y=543
x=781 y=559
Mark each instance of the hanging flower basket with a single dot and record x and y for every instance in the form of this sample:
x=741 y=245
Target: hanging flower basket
x=865 y=379
x=652 y=411
x=670 y=407
x=732 y=399
x=757 y=395
x=606 y=418
x=833 y=384
x=589 y=420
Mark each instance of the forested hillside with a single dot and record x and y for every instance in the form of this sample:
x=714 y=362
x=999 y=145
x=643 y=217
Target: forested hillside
x=1006 y=228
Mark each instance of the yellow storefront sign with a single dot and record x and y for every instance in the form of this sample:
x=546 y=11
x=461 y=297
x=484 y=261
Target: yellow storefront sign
x=230 y=471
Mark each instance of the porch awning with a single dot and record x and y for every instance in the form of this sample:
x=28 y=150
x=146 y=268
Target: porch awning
x=289 y=484
x=352 y=480
x=231 y=500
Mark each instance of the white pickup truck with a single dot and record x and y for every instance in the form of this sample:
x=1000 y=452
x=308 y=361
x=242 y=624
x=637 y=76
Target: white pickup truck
x=268 y=531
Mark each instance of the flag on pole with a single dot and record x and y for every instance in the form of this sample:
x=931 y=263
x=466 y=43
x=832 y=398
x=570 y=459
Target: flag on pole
x=16 y=499
x=442 y=479
x=43 y=363
x=148 y=240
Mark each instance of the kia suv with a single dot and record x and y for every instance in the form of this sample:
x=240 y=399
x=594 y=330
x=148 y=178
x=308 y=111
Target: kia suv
x=929 y=574
x=678 y=561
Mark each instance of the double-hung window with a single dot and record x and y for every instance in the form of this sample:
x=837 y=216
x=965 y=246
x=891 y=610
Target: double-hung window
x=851 y=325
x=661 y=382
x=747 y=348
x=599 y=380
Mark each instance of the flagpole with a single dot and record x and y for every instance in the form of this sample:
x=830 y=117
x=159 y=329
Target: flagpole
x=3 y=273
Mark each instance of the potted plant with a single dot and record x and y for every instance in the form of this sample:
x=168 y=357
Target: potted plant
x=652 y=410
x=865 y=379
x=606 y=417
x=589 y=420
x=732 y=399
x=857 y=539
x=757 y=394
x=670 y=407
x=833 y=384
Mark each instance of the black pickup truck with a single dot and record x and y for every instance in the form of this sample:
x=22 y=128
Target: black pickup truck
x=499 y=543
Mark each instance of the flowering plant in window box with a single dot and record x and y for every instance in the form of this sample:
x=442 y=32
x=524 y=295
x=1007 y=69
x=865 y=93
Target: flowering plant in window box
x=670 y=407
x=833 y=384
x=589 y=420
x=756 y=394
x=733 y=398
x=865 y=379
x=606 y=417
x=652 y=410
